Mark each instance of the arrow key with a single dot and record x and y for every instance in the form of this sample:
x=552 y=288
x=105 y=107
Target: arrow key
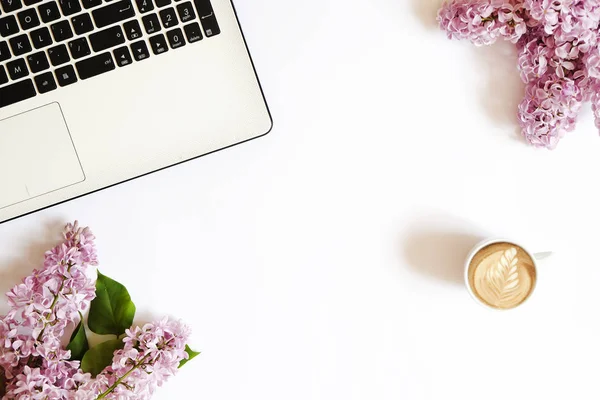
x=133 y=30
x=158 y=44
x=122 y=56
x=140 y=50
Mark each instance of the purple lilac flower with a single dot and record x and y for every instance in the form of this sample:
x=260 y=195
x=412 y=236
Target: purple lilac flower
x=35 y=365
x=596 y=108
x=151 y=355
x=40 y=384
x=559 y=55
x=482 y=22
x=31 y=356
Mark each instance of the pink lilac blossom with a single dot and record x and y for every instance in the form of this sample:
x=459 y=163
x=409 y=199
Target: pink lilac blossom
x=559 y=55
x=31 y=356
x=34 y=365
x=482 y=22
x=151 y=355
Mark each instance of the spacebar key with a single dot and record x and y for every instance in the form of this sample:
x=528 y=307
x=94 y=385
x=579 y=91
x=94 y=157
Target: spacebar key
x=95 y=66
x=16 y=92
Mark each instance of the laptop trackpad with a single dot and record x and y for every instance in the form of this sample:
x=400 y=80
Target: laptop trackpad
x=37 y=155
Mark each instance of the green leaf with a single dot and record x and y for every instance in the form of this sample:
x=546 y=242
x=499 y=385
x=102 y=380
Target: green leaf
x=112 y=310
x=100 y=356
x=192 y=354
x=79 y=343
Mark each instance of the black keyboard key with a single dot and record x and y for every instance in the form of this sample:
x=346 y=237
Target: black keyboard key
x=69 y=7
x=11 y=5
x=122 y=56
x=168 y=17
x=59 y=55
x=204 y=7
x=41 y=38
x=45 y=82
x=113 y=13
x=158 y=44
x=8 y=26
x=151 y=23
x=82 y=24
x=176 y=39
x=20 y=45
x=162 y=3
x=16 y=92
x=61 y=31
x=49 y=12
x=144 y=5
x=79 y=48
x=91 y=3
x=65 y=75
x=107 y=38
x=38 y=62
x=186 y=12
x=207 y=17
x=210 y=25
x=31 y=2
x=17 y=69
x=4 y=51
x=140 y=50
x=132 y=30
x=28 y=19
x=193 y=33
x=95 y=66
x=3 y=76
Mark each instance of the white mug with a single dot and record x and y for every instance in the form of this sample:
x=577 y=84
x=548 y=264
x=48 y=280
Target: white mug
x=535 y=257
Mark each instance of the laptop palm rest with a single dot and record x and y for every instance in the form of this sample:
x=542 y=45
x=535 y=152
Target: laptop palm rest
x=37 y=155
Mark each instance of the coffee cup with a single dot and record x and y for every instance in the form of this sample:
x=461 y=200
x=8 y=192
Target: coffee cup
x=501 y=274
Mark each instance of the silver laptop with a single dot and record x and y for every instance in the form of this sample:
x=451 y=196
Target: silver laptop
x=97 y=92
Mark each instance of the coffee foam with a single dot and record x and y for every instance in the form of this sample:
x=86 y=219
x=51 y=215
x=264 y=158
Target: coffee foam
x=502 y=275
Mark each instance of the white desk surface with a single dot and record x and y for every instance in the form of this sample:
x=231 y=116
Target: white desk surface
x=324 y=261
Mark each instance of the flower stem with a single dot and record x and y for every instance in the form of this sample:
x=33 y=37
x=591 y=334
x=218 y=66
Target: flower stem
x=121 y=379
x=55 y=300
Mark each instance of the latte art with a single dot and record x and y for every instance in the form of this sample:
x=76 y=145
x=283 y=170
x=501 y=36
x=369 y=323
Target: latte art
x=502 y=275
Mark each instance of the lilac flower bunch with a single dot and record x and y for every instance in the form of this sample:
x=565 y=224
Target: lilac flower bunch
x=35 y=366
x=41 y=308
x=151 y=355
x=559 y=55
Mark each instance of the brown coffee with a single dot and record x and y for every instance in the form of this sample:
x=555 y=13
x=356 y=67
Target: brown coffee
x=502 y=275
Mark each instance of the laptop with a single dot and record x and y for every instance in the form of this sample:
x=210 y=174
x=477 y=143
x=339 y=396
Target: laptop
x=97 y=92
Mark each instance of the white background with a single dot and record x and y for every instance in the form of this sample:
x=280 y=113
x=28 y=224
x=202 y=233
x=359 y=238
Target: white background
x=324 y=261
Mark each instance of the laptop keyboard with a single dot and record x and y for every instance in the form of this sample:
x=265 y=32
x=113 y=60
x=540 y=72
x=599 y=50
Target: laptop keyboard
x=46 y=45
